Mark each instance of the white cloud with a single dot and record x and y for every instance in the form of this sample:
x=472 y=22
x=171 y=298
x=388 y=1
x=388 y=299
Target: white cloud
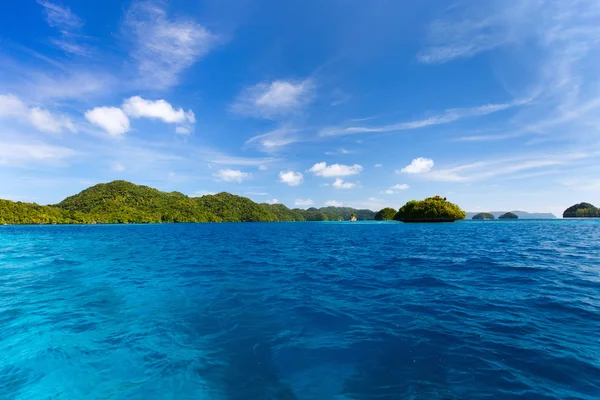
x=505 y=167
x=274 y=201
x=333 y=203
x=262 y=167
x=478 y=29
x=274 y=140
x=396 y=188
x=68 y=25
x=231 y=175
x=137 y=107
x=60 y=17
x=335 y=170
x=13 y=107
x=291 y=178
x=44 y=120
x=304 y=203
x=402 y=186
x=19 y=154
x=113 y=120
x=340 y=184
x=164 y=47
x=378 y=165
x=117 y=166
x=273 y=100
x=418 y=166
x=448 y=116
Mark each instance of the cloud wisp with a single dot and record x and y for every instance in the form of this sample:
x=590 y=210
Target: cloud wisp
x=232 y=175
x=448 y=116
x=163 y=46
x=273 y=100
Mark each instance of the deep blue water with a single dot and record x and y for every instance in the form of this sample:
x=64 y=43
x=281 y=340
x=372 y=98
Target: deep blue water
x=470 y=310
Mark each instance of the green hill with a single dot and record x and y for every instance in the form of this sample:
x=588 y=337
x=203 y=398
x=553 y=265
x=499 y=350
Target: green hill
x=432 y=209
x=509 y=215
x=581 y=210
x=386 y=214
x=125 y=202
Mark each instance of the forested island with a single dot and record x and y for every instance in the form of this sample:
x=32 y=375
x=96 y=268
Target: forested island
x=125 y=202
x=509 y=215
x=582 y=210
x=432 y=209
x=484 y=216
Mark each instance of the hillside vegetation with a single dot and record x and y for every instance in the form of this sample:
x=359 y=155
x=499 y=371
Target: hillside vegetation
x=432 y=209
x=582 y=210
x=125 y=202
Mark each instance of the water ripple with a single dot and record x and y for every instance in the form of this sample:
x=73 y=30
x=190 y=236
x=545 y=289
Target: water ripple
x=500 y=310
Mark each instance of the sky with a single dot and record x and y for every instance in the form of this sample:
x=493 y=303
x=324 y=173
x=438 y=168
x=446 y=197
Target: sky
x=493 y=104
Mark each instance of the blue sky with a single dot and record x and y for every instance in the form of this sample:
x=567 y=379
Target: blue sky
x=494 y=104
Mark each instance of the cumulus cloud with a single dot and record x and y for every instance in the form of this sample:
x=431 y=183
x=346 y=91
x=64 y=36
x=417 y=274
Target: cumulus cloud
x=274 y=201
x=291 y=178
x=231 y=175
x=13 y=107
x=164 y=47
x=113 y=120
x=333 y=203
x=137 y=107
x=304 y=203
x=335 y=170
x=340 y=184
x=419 y=165
x=273 y=100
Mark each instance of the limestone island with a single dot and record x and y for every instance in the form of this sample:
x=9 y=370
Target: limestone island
x=509 y=215
x=484 y=216
x=582 y=210
x=432 y=209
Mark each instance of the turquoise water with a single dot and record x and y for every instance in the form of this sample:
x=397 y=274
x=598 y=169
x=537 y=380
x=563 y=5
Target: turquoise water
x=490 y=310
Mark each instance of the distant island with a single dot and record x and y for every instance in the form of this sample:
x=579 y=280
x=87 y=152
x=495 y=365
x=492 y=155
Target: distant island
x=485 y=216
x=509 y=215
x=121 y=202
x=582 y=210
x=520 y=214
x=432 y=209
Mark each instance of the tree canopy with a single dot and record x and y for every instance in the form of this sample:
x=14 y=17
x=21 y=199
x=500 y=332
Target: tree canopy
x=582 y=210
x=432 y=209
x=125 y=202
x=385 y=214
x=509 y=215
x=484 y=216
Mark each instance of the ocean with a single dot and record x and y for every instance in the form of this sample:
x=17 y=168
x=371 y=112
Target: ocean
x=467 y=310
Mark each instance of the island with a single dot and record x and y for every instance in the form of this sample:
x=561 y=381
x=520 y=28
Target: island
x=121 y=202
x=582 y=210
x=484 y=216
x=432 y=209
x=509 y=215
x=385 y=214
